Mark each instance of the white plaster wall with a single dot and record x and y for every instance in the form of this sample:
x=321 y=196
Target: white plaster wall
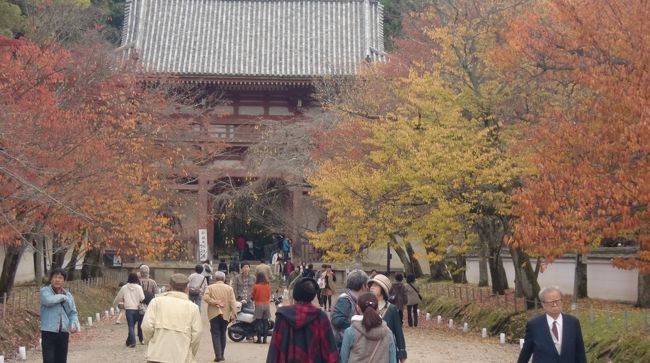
x=25 y=271
x=603 y=280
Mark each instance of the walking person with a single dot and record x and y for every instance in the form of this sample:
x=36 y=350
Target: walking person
x=368 y=339
x=150 y=289
x=553 y=336
x=413 y=298
x=172 y=325
x=380 y=286
x=197 y=285
x=328 y=280
x=222 y=308
x=264 y=268
x=262 y=297
x=302 y=332
x=346 y=305
x=207 y=270
x=399 y=292
x=131 y=295
x=59 y=318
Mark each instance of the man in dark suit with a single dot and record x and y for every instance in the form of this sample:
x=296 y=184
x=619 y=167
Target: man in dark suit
x=553 y=337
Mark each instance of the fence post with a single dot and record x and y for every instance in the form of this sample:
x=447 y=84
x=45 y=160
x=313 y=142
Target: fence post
x=609 y=319
x=625 y=319
x=645 y=321
x=591 y=314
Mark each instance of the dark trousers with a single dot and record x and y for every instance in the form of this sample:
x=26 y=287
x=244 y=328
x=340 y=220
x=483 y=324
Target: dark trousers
x=412 y=312
x=400 y=312
x=218 y=332
x=132 y=318
x=140 y=336
x=327 y=301
x=55 y=347
x=262 y=328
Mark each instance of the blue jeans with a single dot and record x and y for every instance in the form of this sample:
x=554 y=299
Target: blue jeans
x=132 y=318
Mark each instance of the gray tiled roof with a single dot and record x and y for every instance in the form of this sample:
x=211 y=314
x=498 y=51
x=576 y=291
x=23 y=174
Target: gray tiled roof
x=264 y=38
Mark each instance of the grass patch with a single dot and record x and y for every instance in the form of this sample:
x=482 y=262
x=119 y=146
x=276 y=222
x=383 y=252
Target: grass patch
x=22 y=328
x=606 y=336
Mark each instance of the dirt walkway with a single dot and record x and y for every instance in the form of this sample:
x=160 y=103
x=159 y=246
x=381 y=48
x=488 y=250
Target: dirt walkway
x=105 y=343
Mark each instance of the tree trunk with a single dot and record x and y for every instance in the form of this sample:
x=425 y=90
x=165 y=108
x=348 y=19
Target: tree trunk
x=39 y=272
x=59 y=250
x=91 y=266
x=73 y=262
x=643 y=294
x=13 y=254
x=526 y=279
x=581 y=277
x=459 y=276
x=482 y=266
x=408 y=266
x=417 y=269
x=497 y=272
x=438 y=271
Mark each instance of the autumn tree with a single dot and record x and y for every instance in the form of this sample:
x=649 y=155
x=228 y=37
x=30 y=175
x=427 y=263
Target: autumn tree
x=591 y=159
x=86 y=152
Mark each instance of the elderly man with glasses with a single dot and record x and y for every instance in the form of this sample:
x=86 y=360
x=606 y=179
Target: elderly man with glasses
x=554 y=336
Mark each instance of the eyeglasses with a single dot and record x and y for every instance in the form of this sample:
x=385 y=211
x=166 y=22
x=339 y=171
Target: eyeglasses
x=557 y=302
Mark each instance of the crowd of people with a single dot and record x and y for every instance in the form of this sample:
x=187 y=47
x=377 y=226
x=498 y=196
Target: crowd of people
x=364 y=325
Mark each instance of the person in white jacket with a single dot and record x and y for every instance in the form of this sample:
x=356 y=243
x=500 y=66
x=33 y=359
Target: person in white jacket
x=172 y=325
x=131 y=295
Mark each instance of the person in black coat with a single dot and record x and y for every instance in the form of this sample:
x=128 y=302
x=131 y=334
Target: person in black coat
x=553 y=337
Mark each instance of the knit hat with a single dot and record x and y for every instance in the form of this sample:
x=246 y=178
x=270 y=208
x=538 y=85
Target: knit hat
x=305 y=289
x=178 y=282
x=383 y=282
x=144 y=271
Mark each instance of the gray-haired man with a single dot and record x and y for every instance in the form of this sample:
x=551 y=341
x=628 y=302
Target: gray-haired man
x=222 y=308
x=553 y=336
x=346 y=305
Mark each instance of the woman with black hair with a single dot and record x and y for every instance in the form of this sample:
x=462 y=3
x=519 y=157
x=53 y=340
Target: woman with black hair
x=368 y=339
x=58 y=318
x=262 y=297
x=380 y=286
x=412 y=300
x=131 y=295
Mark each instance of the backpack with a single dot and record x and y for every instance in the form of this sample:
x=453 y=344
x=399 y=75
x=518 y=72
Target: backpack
x=338 y=334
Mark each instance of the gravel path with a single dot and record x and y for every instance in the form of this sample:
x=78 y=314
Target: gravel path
x=104 y=342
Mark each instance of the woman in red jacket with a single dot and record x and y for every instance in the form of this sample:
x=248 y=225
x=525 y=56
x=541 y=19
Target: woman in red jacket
x=262 y=297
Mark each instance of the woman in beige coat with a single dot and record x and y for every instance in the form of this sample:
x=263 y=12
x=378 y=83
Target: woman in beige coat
x=328 y=281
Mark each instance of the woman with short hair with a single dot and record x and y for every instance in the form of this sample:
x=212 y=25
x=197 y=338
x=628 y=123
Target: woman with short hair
x=380 y=286
x=59 y=318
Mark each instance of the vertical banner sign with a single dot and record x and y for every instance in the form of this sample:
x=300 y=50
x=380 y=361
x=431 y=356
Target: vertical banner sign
x=203 y=244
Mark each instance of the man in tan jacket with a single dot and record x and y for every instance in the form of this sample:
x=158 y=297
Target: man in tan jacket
x=222 y=307
x=172 y=325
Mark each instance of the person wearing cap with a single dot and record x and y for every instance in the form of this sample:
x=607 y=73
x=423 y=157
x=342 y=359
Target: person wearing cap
x=302 y=331
x=222 y=308
x=172 y=325
x=380 y=286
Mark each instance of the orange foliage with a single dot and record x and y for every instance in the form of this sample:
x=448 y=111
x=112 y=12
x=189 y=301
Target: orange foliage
x=591 y=155
x=83 y=148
